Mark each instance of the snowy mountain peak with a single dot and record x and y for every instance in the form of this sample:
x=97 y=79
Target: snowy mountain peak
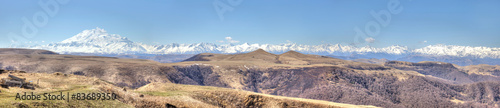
x=460 y=51
x=95 y=36
x=95 y=41
x=100 y=41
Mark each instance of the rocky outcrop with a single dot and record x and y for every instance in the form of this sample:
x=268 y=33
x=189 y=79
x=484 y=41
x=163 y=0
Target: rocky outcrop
x=443 y=70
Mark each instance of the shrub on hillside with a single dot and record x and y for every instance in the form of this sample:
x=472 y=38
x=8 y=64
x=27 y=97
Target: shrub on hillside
x=59 y=68
x=95 y=70
x=10 y=68
x=78 y=73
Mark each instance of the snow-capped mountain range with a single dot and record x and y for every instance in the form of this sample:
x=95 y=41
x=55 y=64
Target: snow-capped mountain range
x=99 y=41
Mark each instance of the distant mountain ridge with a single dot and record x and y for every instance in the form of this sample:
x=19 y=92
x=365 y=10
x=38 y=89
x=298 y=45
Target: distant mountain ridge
x=100 y=41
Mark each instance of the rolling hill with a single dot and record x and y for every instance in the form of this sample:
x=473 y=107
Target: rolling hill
x=157 y=95
x=393 y=84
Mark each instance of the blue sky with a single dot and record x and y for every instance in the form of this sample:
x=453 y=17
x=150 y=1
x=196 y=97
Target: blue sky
x=419 y=23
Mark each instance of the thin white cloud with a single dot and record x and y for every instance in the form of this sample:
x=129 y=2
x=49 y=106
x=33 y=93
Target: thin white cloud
x=230 y=40
x=220 y=41
x=422 y=42
x=369 y=40
x=288 y=41
x=234 y=41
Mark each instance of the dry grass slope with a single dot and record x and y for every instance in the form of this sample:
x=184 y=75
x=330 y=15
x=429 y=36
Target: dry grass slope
x=151 y=95
x=223 y=97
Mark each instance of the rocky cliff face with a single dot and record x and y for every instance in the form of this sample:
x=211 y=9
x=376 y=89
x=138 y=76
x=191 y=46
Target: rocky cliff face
x=349 y=86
